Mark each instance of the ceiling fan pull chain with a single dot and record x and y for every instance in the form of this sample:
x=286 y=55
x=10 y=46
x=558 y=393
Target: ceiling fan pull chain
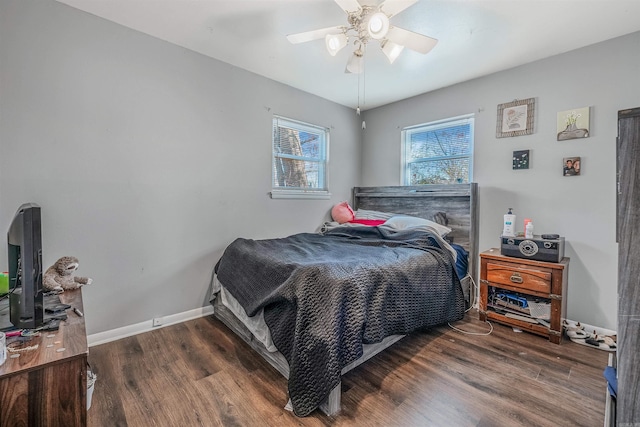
x=364 y=77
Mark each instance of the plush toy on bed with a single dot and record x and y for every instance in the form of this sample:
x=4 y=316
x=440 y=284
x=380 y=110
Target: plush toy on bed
x=342 y=213
x=59 y=277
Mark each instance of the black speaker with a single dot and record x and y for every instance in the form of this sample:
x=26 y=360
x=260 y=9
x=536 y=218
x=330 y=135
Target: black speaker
x=539 y=249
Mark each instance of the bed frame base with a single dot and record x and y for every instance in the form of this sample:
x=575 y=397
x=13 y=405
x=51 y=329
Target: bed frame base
x=331 y=405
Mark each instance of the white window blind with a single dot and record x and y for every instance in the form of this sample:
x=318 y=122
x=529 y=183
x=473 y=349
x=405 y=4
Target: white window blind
x=299 y=158
x=439 y=152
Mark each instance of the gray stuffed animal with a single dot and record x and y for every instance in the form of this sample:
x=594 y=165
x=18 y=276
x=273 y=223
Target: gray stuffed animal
x=59 y=276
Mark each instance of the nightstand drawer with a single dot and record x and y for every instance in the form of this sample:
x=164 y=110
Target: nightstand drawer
x=525 y=278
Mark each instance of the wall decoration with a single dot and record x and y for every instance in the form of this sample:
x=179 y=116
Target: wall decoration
x=571 y=166
x=515 y=118
x=521 y=159
x=573 y=124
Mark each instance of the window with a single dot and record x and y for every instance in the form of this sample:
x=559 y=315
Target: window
x=439 y=152
x=299 y=159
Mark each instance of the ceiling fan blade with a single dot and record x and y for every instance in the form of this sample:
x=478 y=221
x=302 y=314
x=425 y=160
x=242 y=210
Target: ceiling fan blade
x=308 y=36
x=349 y=5
x=411 y=40
x=393 y=7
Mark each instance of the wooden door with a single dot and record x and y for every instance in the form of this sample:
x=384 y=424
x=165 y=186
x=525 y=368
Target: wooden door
x=628 y=229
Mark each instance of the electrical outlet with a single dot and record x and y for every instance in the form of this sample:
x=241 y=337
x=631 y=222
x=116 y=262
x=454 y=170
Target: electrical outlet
x=157 y=321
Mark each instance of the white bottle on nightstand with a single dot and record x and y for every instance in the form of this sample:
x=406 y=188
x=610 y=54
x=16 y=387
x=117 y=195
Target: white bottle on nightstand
x=528 y=232
x=509 y=229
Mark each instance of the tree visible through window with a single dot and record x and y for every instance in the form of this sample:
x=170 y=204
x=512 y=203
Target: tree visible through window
x=439 y=152
x=299 y=155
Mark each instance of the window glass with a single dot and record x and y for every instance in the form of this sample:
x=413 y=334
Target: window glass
x=299 y=156
x=439 y=152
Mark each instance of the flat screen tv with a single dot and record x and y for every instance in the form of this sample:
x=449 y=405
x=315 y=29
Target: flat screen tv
x=26 y=309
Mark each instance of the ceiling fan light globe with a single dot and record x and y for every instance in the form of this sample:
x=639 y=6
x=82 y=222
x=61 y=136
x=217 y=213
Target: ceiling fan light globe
x=355 y=64
x=335 y=42
x=378 y=25
x=392 y=50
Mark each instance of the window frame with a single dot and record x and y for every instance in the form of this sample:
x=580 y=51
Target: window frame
x=320 y=192
x=431 y=126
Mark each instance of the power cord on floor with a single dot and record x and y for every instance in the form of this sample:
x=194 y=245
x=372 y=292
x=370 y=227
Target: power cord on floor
x=473 y=289
x=473 y=333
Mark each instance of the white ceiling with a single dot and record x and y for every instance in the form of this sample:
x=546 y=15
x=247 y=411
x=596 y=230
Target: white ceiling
x=476 y=38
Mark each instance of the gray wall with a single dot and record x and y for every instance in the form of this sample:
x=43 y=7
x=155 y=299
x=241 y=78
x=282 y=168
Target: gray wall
x=581 y=208
x=133 y=147
x=147 y=159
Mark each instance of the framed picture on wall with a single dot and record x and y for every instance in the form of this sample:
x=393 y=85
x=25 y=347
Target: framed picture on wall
x=571 y=166
x=515 y=118
x=521 y=159
x=573 y=124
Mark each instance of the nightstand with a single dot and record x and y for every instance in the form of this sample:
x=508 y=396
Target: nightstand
x=545 y=281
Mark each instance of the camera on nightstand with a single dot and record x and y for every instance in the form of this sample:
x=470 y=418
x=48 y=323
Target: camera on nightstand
x=546 y=247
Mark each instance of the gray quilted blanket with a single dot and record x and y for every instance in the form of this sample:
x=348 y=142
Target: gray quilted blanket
x=325 y=295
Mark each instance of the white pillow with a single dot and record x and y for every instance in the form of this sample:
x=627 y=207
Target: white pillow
x=402 y=222
x=367 y=214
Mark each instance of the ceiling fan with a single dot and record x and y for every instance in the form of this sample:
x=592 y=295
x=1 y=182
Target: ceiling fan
x=365 y=23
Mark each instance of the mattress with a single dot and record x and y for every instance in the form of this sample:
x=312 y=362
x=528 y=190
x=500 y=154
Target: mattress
x=255 y=324
x=259 y=329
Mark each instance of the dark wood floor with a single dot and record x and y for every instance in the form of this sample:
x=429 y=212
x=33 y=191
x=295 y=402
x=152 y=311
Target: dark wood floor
x=198 y=373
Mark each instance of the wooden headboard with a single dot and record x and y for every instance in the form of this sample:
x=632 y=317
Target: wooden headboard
x=458 y=202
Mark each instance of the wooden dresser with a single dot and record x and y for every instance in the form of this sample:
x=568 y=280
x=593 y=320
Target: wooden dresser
x=544 y=280
x=47 y=386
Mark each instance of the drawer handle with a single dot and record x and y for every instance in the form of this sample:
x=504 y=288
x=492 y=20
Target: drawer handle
x=516 y=278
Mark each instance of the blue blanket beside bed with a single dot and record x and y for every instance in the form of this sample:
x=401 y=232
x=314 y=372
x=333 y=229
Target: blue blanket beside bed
x=462 y=260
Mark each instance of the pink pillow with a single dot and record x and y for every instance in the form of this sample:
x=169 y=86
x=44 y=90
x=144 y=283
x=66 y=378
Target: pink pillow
x=370 y=222
x=342 y=213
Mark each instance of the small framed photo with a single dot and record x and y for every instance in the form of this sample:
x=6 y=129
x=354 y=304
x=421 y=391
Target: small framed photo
x=521 y=159
x=515 y=118
x=573 y=124
x=571 y=166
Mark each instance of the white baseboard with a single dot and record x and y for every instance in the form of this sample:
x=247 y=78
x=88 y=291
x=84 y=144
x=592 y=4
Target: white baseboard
x=146 y=326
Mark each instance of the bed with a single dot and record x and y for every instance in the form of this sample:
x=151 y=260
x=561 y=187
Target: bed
x=316 y=305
